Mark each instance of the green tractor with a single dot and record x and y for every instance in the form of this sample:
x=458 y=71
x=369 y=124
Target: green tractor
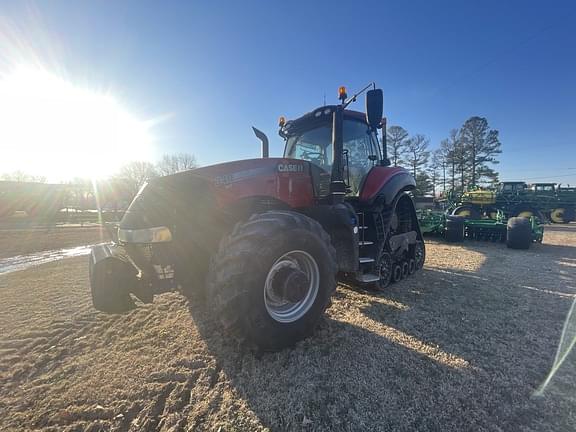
x=547 y=201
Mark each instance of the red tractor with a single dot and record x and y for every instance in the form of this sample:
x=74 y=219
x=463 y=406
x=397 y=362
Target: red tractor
x=265 y=240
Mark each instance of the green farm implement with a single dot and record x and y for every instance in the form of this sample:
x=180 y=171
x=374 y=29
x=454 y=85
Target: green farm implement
x=475 y=215
x=517 y=232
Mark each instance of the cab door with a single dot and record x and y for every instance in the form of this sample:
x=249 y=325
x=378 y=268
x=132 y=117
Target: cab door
x=360 y=154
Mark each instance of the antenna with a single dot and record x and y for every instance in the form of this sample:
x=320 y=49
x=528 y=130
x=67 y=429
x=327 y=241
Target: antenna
x=324 y=99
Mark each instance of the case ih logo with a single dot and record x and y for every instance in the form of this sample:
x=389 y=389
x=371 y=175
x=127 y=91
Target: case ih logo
x=290 y=167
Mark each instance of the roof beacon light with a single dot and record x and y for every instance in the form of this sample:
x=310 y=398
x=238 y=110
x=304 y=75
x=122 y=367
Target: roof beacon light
x=342 y=95
x=281 y=121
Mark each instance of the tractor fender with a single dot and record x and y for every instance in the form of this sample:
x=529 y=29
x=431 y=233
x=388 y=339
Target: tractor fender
x=385 y=183
x=403 y=195
x=126 y=271
x=101 y=252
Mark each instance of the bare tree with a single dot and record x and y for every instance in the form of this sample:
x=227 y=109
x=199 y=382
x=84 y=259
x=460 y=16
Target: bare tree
x=396 y=140
x=174 y=163
x=437 y=170
x=451 y=147
x=136 y=173
x=417 y=153
x=21 y=176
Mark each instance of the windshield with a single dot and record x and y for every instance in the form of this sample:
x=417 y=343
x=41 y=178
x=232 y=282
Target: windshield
x=314 y=146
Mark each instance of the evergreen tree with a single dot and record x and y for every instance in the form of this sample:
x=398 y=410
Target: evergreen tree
x=481 y=146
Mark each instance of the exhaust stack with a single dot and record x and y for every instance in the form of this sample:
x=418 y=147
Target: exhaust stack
x=262 y=137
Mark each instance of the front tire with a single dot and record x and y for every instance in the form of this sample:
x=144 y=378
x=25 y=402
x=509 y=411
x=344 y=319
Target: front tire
x=109 y=282
x=272 y=279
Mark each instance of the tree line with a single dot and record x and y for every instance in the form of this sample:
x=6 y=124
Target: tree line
x=465 y=159
x=133 y=174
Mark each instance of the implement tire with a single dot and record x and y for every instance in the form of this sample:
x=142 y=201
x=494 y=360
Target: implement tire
x=519 y=233
x=272 y=279
x=454 y=231
x=109 y=282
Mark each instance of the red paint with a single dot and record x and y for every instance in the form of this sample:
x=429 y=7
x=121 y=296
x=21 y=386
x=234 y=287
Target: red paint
x=287 y=180
x=377 y=178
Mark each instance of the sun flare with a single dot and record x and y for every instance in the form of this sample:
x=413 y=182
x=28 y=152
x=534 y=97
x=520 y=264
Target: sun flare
x=53 y=128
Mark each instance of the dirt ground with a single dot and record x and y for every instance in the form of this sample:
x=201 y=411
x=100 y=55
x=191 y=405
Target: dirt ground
x=23 y=241
x=463 y=345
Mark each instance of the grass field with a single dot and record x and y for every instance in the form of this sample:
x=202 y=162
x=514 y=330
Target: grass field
x=463 y=345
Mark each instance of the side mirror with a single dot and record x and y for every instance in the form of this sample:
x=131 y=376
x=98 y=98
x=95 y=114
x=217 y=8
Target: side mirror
x=374 y=107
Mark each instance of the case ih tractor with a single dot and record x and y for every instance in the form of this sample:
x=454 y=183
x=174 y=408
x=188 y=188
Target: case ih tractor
x=265 y=240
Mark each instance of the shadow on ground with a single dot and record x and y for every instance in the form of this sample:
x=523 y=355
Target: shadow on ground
x=449 y=349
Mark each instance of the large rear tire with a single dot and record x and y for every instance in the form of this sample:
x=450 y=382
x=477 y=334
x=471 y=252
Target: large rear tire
x=526 y=211
x=519 y=233
x=272 y=279
x=562 y=215
x=467 y=212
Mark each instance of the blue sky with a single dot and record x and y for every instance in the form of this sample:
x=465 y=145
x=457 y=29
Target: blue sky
x=213 y=69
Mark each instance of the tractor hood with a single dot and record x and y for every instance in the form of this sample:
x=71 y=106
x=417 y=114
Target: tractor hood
x=174 y=199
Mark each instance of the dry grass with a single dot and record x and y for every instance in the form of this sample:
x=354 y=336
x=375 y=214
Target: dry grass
x=24 y=241
x=463 y=345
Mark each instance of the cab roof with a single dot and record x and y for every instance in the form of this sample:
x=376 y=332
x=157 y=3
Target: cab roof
x=316 y=118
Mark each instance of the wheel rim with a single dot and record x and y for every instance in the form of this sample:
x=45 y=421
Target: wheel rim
x=463 y=213
x=385 y=267
x=297 y=268
x=557 y=215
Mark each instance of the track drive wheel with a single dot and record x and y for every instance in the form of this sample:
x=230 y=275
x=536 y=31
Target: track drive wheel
x=419 y=254
x=384 y=267
x=272 y=278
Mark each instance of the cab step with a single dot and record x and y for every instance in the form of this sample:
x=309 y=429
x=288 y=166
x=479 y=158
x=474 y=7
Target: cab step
x=367 y=278
x=366 y=260
x=365 y=243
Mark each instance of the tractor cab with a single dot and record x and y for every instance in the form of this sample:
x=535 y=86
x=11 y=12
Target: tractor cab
x=548 y=188
x=309 y=138
x=511 y=187
x=342 y=146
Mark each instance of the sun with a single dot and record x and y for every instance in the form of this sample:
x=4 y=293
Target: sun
x=53 y=128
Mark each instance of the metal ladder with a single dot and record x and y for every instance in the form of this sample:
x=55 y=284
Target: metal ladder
x=363 y=276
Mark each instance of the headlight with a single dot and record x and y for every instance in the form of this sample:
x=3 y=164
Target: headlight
x=148 y=235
